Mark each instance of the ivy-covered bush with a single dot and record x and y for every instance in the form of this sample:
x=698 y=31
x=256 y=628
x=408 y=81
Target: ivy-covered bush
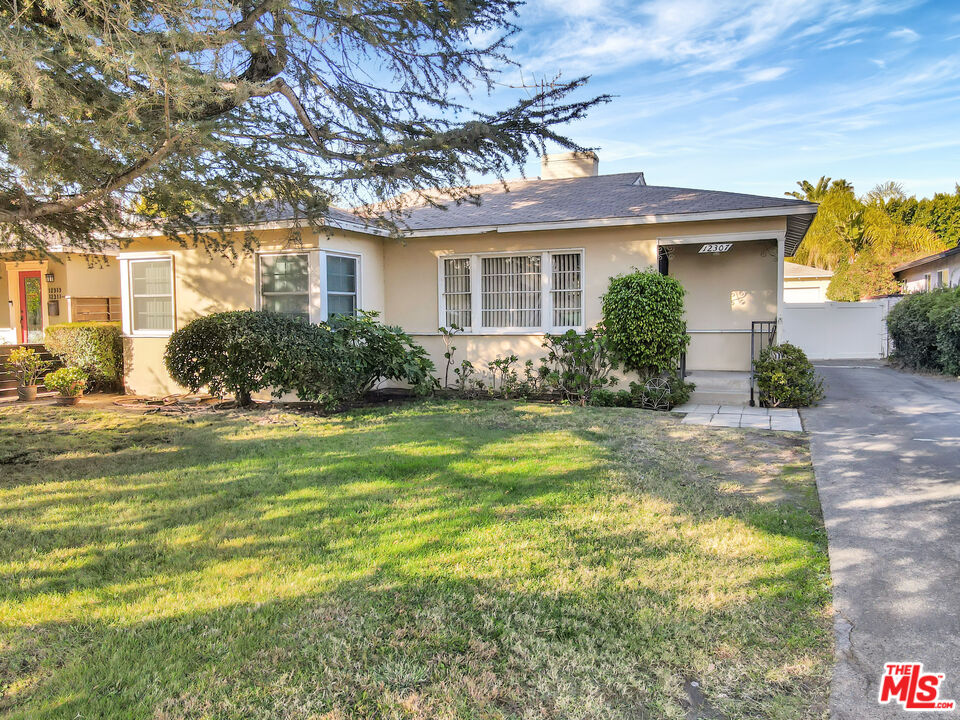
x=247 y=351
x=786 y=378
x=94 y=347
x=231 y=352
x=643 y=319
x=579 y=365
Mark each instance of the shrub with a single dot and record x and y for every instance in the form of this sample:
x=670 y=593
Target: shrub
x=643 y=317
x=786 y=378
x=95 y=347
x=660 y=393
x=231 y=352
x=913 y=332
x=338 y=362
x=945 y=317
x=579 y=365
x=245 y=351
x=26 y=365
x=68 y=381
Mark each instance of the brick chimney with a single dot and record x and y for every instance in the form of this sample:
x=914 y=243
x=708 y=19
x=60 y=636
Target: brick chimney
x=568 y=165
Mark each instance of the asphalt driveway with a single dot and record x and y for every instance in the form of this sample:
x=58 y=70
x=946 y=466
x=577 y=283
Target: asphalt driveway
x=886 y=450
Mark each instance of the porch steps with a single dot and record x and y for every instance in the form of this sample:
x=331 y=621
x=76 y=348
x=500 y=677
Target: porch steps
x=716 y=387
x=8 y=381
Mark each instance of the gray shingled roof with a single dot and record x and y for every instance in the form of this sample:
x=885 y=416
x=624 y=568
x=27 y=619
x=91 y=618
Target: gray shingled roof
x=586 y=198
x=600 y=197
x=926 y=259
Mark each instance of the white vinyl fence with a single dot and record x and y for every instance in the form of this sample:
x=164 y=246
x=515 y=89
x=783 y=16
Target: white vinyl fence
x=838 y=330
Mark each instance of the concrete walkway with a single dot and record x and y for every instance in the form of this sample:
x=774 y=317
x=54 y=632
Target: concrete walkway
x=740 y=416
x=886 y=451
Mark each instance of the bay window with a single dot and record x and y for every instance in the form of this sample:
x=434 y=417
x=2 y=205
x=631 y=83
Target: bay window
x=538 y=291
x=313 y=285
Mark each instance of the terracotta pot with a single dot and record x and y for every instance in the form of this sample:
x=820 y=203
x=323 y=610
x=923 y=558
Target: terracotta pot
x=26 y=393
x=68 y=400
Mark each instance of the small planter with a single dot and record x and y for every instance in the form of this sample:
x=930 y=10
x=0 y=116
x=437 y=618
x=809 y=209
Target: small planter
x=67 y=400
x=26 y=393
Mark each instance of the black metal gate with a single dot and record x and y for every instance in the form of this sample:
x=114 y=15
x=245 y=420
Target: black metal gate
x=763 y=334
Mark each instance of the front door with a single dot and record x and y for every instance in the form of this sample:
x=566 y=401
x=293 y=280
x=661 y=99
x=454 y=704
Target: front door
x=31 y=307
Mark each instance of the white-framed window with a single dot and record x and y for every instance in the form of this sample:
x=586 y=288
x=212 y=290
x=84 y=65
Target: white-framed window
x=150 y=282
x=311 y=284
x=285 y=284
x=495 y=293
x=341 y=285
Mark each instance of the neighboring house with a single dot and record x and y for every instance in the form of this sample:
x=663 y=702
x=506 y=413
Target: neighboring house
x=532 y=260
x=69 y=286
x=805 y=283
x=941 y=269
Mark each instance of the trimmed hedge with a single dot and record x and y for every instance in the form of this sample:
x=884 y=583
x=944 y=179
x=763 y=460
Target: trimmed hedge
x=333 y=363
x=94 y=347
x=786 y=378
x=925 y=328
x=232 y=353
x=643 y=321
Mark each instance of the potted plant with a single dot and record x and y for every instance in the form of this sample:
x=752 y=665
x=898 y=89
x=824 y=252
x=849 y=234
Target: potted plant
x=26 y=365
x=69 y=382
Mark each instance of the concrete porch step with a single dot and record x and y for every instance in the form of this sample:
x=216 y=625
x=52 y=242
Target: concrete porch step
x=720 y=387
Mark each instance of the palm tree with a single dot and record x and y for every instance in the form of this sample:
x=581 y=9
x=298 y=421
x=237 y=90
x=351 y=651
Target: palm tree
x=811 y=192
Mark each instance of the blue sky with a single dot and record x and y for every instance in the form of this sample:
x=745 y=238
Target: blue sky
x=753 y=95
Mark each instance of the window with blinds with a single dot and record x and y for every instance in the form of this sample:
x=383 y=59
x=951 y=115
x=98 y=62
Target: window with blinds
x=456 y=293
x=151 y=295
x=534 y=291
x=511 y=291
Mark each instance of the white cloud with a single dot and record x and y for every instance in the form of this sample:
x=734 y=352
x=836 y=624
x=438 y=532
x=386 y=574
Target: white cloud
x=766 y=74
x=905 y=34
x=695 y=36
x=879 y=63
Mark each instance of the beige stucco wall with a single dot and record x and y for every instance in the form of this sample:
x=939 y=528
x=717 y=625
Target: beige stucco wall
x=205 y=283
x=401 y=280
x=412 y=285
x=725 y=293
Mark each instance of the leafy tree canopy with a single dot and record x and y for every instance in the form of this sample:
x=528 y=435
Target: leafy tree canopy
x=201 y=114
x=861 y=238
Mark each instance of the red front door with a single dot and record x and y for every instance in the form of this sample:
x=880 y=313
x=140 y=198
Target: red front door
x=31 y=307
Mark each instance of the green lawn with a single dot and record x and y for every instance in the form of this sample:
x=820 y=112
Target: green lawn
x=425 y=560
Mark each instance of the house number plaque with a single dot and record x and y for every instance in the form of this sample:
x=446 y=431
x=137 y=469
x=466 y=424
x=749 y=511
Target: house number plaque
x=716 y=247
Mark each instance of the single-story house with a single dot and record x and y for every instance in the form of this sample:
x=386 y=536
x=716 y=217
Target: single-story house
x=535 y=256
x=939 y=270
x=805 y=283
x=68 y=286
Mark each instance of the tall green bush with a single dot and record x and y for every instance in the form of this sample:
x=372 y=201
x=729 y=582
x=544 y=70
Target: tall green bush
x=94 y=347
x=920 y=327
x=643 y=319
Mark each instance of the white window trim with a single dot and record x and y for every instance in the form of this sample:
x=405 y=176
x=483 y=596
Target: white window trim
x=546 y=290
x=317 y=273
x=126 y=293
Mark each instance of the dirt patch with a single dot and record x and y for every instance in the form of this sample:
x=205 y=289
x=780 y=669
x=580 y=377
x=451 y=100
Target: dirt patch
x=763 y=467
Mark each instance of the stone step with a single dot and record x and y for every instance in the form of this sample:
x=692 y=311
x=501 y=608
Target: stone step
x=720 y=397
x=719 y=381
